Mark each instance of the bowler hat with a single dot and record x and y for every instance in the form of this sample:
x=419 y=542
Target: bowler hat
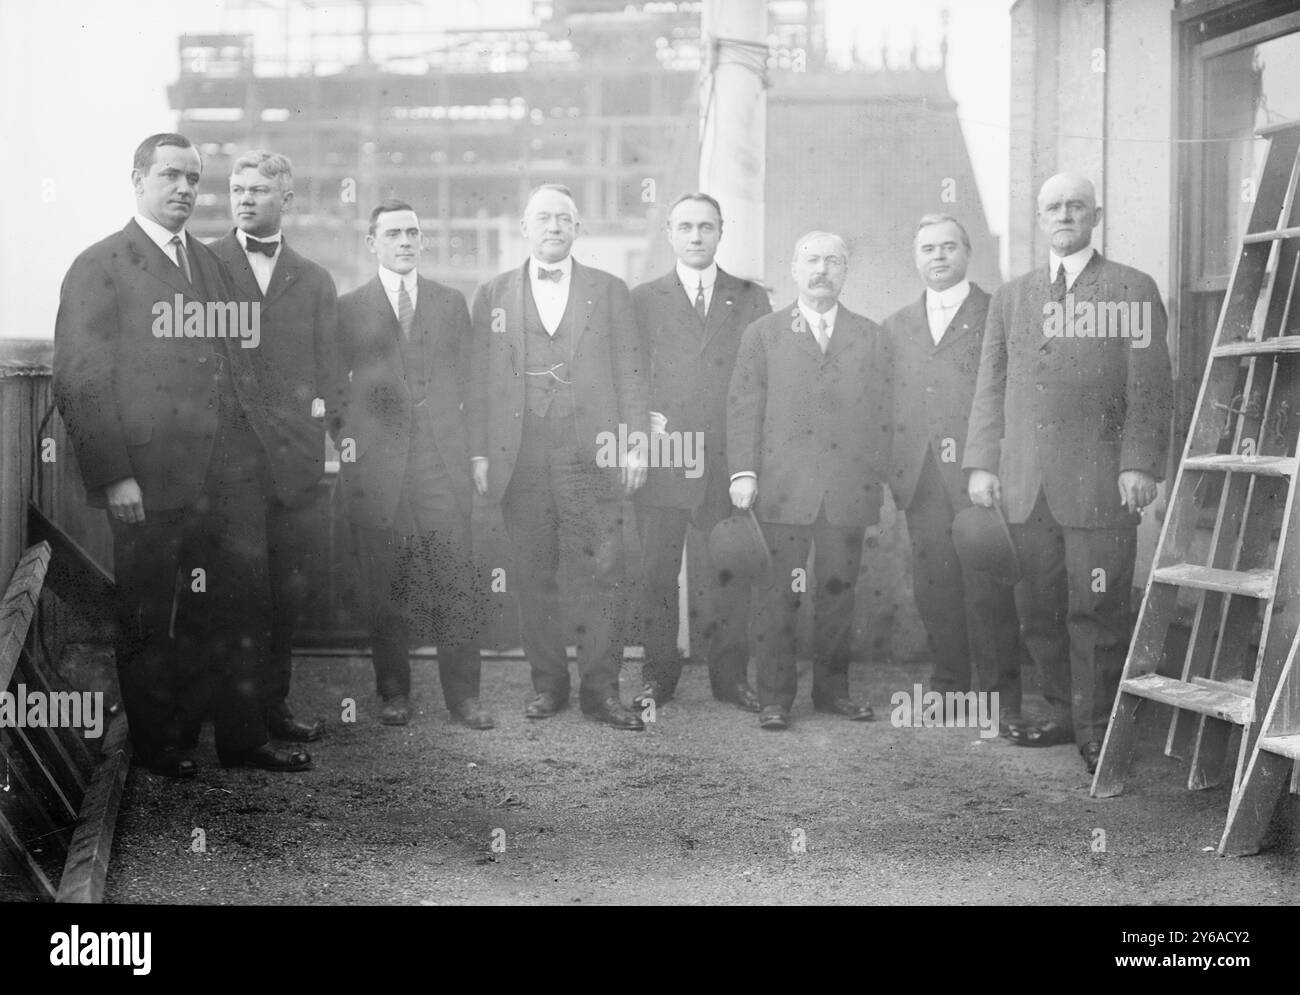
x=983 y=542
x=737 y=546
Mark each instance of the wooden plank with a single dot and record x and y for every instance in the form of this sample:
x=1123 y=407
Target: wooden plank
x=24 y=859
x=74 y=575
x=19 y=606
x=1280 y=345
x=1214 y=702
x=1257 y=583
x=1264 y=466
x=86 y=869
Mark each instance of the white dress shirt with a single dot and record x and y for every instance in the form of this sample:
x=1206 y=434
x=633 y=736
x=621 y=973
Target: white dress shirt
x=551 y=298
x=1074 y=264
x=941 y=307
x=262 y=264
x=392 y=285
x=692 y=278
x=162 y=237
x=812 y=317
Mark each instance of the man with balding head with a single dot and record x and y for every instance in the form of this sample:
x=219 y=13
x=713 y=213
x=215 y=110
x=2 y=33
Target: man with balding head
x=1069 y=431
x=808 y=430
x=557 y=382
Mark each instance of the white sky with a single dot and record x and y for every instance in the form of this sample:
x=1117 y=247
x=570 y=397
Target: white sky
x=82 y=81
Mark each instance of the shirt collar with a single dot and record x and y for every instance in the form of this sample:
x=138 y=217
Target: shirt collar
x=812 y=317
x=565 y=266
x=691 y=278
x=392 y=281
x=243 y=239
x=159 y=235
x=947 y=299
x=1074 y=262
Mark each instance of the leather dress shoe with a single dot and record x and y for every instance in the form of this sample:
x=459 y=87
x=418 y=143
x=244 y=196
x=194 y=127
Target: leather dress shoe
x=471 y=713
x=170 y=763
x=281 y=724
x=746 y=699
x=1091 y=753
x=268 y=757
x=1050 y=733
x=612 y=713
x=543 y=705
x=846 y=707
x=774 y=717
x=396 y=710
x=653 y=691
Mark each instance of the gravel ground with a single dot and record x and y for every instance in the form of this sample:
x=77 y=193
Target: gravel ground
x=702 y=808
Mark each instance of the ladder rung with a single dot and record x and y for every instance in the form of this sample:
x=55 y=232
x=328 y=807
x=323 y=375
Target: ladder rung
x=1218 y=702
x=1258 y=347
x=1285 y=746
x=1256 y=237
x=1264 y=466
x=1256 y=583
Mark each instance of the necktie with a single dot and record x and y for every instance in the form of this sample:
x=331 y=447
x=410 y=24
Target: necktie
x=1058 y=285
x=701 y=308
x=405 y=310
x=257 y=245
x=820 y=333
x=182 y=260
x=554 y=275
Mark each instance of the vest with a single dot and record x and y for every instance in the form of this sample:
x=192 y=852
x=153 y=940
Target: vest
x=544 y=394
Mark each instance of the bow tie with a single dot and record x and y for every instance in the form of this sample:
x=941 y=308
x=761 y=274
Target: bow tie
x=257 y=245
x=554 y=275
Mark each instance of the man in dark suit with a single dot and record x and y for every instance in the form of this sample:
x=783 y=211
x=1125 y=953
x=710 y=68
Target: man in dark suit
x=154 y=385
x=1069 y=431
x=296 y=364
x=691 y=320
x=936 y=344
x=558 y=397
x=808 y=420
x=406 y=469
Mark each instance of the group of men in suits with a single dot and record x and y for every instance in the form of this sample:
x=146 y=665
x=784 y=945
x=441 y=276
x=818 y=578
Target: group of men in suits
x=202 y=449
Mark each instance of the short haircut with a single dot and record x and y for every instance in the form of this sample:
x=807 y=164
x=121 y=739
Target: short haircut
x=144 y=152
x=557 y=187
x=844 y=248
x=939 y=219
x=272 y=165
x=702 y=197
x=385 y=206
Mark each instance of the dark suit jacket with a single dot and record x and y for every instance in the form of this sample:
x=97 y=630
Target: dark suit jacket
x=933 y=389
x=378 y=406
x=1066 y=415
x=690 y=373
x=815 y=428
x=608 y=371
x=136 y=405
x=295 y=362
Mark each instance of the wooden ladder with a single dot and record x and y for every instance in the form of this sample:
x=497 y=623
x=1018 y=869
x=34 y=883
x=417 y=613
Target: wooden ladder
x=1238 y=476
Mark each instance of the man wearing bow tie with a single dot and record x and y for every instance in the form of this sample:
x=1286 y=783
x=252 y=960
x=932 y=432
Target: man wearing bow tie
x=296 y=371
x=557 y=373
x=808 y=423
x=406 y=469
x=1070 y=434
x=166 y=433
x=691 y=320
x=936 y=344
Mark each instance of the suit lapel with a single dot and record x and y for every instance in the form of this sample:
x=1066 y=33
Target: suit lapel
x=146 y=254
x=843 y=337
x=284 y=274
x=804 y=339
x=722 y=308
x=960 y=325
x=386 y=334
x=582 y=296
x=427 y=308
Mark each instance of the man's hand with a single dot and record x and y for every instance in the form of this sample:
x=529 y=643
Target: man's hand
x=633 y=472
x=984 y=488
x=743 y=490
x=1137 y=489
x=658 y=423
x=125 y=502
x=479 y=468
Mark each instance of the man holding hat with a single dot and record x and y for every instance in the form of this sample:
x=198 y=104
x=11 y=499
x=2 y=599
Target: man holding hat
x=936 y=347
x=808 y=432
x=1070 y=435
